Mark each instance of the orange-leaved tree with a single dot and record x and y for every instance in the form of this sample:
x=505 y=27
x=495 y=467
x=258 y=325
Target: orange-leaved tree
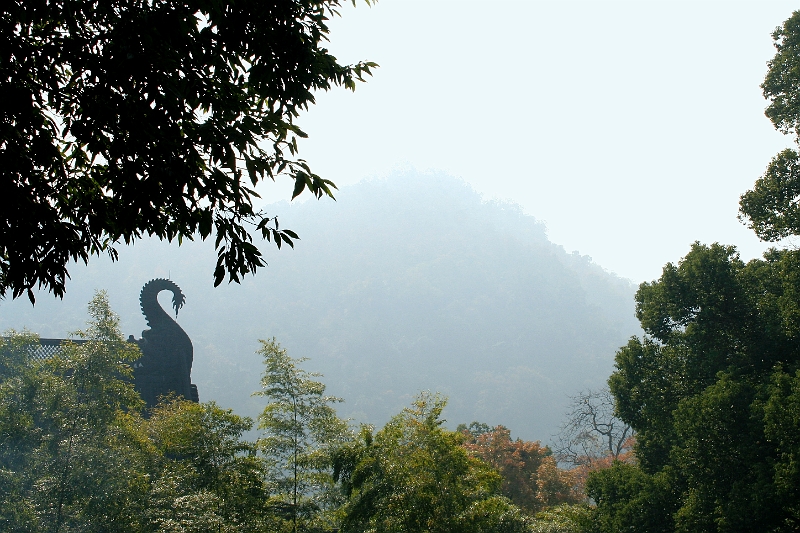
x=531 y=476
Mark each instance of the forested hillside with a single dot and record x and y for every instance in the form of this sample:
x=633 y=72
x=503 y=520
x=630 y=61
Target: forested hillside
x=403 y=284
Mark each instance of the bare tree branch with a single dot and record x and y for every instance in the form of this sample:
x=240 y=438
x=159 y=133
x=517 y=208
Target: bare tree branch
x=592 y=431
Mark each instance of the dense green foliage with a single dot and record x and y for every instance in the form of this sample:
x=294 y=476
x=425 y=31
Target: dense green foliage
x=62 y=421
x=78 y=453
x=771 y=207
x=414 y=476
x=127 y=118
x=564 y=519
x=205 y=476
x=702 y=390
x=712 y=390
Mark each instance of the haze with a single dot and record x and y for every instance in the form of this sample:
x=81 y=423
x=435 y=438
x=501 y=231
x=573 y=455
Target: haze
x=629 y=128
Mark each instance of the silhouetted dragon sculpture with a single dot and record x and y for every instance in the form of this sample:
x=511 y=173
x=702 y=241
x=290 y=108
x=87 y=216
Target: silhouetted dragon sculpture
x=167 y=353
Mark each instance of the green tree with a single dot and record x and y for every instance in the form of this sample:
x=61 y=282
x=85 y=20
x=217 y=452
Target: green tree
x=72 y=451
x=128 y=118
x=301 y=432
x=18 y=383
x=782 y=429
x=205 y=476
x=771 y=208
x=564 y=518
x=629 y=499
x=702 y=390
x=83 y=404
x=76 y=454
x=712 y=388
x=415 y=476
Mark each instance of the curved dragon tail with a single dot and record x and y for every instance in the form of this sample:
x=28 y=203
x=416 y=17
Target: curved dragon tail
x=149 y=301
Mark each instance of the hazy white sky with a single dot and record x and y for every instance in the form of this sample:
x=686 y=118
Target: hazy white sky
x=630 y=128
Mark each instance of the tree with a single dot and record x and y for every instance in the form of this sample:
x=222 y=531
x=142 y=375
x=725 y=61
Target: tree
x=563 y=518
x=85 y=405
x=531 y=478
x=415 y=476
x=76 y=454
x=593 y=437
x=712 y=388
x=771 y=208
x=17 y=431
x=301 y=434
x=72 y=453
x=700 y=390
x=628 y=499
x=129 y=118
x=592 y=433
x=782 y=428
x=206 y=477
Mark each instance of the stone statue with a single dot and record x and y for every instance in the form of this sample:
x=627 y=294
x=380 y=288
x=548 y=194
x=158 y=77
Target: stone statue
x=167 y=353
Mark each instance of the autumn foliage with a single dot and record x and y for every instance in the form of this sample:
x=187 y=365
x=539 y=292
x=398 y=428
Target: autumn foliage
x=580 y=473
x=531 y=476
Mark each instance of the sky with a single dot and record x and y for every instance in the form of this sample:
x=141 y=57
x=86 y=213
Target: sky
x=629 y=128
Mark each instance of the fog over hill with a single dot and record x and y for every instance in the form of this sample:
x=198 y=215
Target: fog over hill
x=403 y=284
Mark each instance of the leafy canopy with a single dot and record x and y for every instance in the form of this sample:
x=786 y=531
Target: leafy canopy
x=125 y=118
x=712 y=389
x=530 y=476
x=415 y=476
x=701 y=391
x=76 y=454
x=69 y=455
x=771 y=208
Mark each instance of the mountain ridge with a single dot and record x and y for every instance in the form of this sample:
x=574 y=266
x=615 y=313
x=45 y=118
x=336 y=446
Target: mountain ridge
x=405 y=283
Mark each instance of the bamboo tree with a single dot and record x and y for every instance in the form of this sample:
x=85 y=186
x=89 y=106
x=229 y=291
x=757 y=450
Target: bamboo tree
x=69 y=441
x=301 y=429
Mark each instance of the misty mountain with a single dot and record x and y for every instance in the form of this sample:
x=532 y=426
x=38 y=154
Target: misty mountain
x=403 y=284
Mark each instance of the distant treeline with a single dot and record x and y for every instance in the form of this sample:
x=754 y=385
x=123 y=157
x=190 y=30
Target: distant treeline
x=80 y=453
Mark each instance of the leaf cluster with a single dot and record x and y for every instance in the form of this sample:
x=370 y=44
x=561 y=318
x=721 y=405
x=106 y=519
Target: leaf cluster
x=300 y=434
x=76 y=453
x=711 y=389
x=771 y=207
x=130 y=117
